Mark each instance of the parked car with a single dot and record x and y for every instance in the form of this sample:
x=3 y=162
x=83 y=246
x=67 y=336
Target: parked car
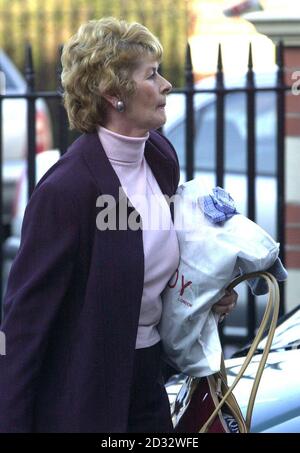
x=235 y=180
x=235 y=141
x=277 y=405
x=43 y=162
x=14 y=127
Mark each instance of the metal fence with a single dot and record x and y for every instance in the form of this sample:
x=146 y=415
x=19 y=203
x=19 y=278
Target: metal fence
x=250 y=90
x=30 y=96
x=220 y=91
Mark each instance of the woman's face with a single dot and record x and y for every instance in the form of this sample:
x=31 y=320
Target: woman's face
x=145 y=109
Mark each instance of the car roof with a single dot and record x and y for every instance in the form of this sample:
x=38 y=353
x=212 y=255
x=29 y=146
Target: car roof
x=286 y=337
x=175 y=107
x=15 y=82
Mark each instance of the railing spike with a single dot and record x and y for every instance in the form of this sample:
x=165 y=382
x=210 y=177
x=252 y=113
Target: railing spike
x=188 y=58
x=189 y=75
x=59 y=66
x=220 y=59
x=279 y=54
x=250 y=58
x=220 y=74
x=29 y=70
x=280 y=62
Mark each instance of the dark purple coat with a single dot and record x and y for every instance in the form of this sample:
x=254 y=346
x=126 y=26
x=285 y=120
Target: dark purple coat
x=72 y=305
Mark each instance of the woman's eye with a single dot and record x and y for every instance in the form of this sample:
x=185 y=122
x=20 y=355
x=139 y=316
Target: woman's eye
x=152 y=75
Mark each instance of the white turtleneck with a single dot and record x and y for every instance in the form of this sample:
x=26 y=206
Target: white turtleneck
x=161 y=250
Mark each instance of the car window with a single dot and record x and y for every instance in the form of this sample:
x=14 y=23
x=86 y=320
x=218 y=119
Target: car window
x=235 y=134
x=14 y=80
x=9 y=83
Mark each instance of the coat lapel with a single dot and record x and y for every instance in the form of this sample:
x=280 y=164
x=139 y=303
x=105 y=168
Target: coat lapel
x=161 y=167
x=99 y=166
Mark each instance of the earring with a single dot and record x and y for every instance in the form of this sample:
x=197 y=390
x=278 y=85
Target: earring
x=120 y=106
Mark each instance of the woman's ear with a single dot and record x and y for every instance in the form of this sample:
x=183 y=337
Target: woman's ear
x=111 y=100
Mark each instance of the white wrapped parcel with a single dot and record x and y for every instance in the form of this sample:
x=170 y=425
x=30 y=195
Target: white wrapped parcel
x=211 y=255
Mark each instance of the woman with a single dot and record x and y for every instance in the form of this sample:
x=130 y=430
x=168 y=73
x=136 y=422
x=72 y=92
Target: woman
x=83 y=297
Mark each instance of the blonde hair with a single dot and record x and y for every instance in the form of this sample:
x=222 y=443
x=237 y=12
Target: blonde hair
x=99 y=59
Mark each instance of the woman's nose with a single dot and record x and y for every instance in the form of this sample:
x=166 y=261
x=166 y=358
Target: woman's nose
x=166 y=86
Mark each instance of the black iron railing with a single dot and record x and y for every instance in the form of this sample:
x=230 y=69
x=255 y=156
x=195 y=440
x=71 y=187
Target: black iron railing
x=250 y=89
x=31 y=96
x=221 y=92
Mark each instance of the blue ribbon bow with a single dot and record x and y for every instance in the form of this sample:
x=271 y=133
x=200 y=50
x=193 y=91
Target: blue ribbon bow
x=219 y=206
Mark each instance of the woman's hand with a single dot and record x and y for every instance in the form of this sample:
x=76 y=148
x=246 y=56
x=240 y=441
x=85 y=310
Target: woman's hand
x=225 y=305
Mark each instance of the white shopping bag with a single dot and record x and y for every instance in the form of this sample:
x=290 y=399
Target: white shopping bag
x=211 y=255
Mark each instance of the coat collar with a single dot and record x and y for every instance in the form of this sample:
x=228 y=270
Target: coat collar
x=106 y=178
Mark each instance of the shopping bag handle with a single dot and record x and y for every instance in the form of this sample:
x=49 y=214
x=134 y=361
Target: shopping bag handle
x=269 y=317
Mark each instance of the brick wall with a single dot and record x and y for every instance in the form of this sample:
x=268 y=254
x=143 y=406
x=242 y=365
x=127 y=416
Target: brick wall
x=292 y=63
x=293 y=235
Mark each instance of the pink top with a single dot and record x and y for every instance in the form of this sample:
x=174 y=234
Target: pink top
x=161 y=250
